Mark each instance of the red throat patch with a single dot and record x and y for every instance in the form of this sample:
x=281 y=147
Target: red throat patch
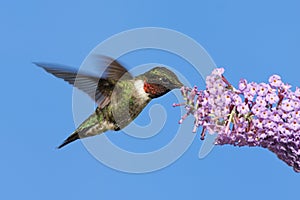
x=154 y=89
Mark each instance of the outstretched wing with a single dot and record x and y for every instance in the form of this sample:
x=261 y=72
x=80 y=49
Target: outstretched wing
x=99 y=89
x=114 y=70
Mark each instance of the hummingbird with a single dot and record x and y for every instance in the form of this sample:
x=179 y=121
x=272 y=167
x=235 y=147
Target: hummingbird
x=119 y=96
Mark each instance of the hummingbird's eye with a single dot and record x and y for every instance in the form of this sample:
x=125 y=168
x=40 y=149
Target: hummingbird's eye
x=164 y=79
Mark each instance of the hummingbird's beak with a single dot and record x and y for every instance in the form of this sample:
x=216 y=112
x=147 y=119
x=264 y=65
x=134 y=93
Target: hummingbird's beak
x=180 y=85
x=177 y=85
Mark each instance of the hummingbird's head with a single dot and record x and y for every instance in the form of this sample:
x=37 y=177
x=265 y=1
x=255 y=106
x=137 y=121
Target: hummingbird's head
x=159 y=81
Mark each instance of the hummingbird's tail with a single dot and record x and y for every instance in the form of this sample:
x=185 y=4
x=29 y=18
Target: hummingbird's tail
x=90 y=127
x=74 y=136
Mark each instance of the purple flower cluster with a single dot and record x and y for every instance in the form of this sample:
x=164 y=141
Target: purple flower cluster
x=255 y=114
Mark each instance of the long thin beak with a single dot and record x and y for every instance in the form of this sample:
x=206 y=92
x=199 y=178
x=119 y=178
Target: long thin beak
x=179 y=85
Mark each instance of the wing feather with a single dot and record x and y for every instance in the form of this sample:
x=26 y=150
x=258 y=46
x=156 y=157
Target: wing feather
x=99 y=89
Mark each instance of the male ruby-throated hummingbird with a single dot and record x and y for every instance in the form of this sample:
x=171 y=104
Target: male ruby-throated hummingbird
x=120 y=97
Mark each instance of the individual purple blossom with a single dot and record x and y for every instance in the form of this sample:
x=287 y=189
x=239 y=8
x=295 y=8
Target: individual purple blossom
x=265 y=114
x=243 y=84
x=296 y=114
x=281 y=127
x=261 y=101
x=287 y=105
x=248 y=95
x=275 y=117
x=297 y=92
x=237 y=100
x=286 y=88
x=259 y=123
x=218 y=72
x=257 y=114
x=243 y=108
x=227 y=97
x=252 y=88
x=270 y=124
x=262 y=89
x=257 y=109
x=296 y=104
x=272 y=98
x=275 y=81
x=294 y=125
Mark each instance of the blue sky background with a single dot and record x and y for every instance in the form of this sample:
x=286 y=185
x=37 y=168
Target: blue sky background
x=251 y=40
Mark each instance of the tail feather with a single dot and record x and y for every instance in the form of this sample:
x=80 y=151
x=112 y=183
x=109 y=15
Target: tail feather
x=70 y=139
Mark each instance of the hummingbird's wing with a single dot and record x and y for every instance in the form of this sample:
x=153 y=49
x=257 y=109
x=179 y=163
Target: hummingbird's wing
x=114 y=70
x=99 y=89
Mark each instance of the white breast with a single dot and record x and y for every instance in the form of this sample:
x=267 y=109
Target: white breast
x=139 y=87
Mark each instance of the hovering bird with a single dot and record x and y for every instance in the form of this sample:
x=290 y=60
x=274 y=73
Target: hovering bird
x=120 y=97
